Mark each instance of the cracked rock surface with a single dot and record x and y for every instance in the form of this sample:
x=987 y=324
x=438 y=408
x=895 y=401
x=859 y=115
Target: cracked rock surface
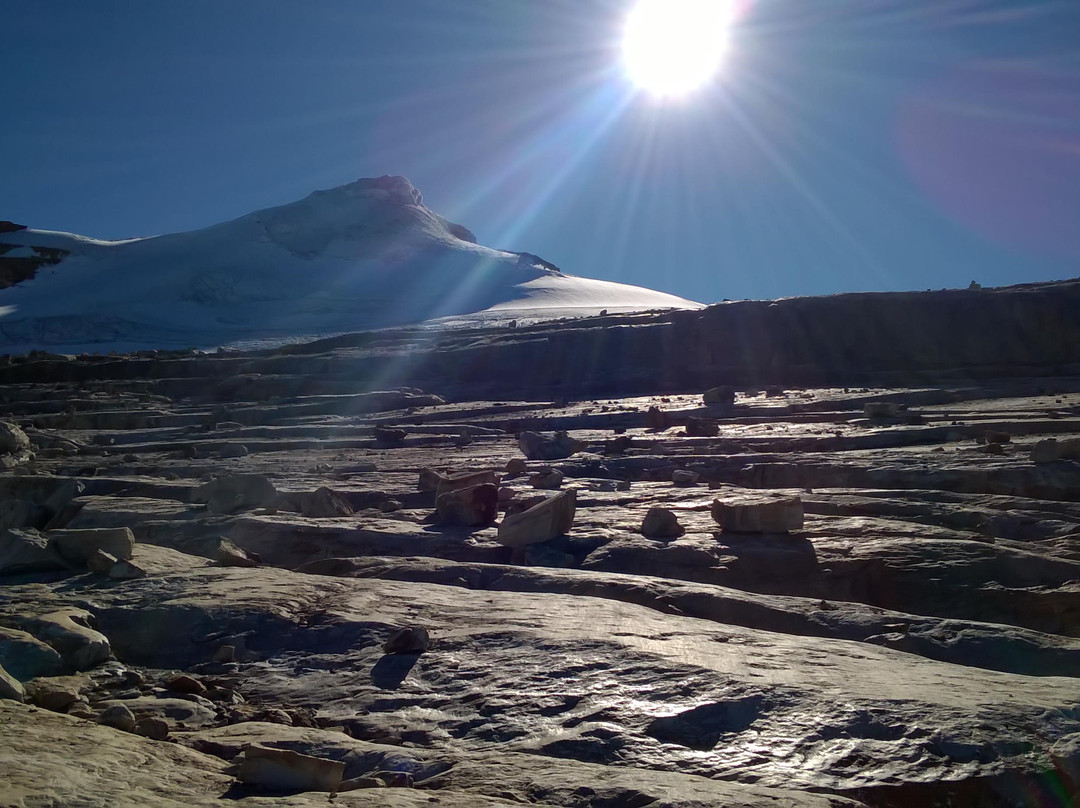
x=913 y=639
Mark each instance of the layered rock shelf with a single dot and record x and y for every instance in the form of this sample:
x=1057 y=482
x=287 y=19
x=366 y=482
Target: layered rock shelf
x=419 y=568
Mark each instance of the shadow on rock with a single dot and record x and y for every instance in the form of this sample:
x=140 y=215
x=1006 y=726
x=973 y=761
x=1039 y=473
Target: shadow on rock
x=390 y=671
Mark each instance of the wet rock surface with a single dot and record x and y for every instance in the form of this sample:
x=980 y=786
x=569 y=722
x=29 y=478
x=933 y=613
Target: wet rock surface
x=796 y=596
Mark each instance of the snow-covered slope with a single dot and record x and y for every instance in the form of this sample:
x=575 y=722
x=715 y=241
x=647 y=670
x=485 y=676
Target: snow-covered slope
x=364 y=255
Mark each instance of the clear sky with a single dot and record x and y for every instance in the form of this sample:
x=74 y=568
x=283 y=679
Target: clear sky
x=846 y=145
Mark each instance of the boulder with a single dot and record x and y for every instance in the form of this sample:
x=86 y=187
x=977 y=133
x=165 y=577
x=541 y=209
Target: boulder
x=26 y=550
x=25 y=657
x=229 y=555
x=464 y=479
x=718 y=397
x=759 y=514
x=76 y=546
x=657 y=420
x=68 y=631
x=1046 y=451
x=12 y=439
x=10 y=687
x=407 y=640
x=285 y=770
x=542 y=522
x=617 y=446
x=429 y=480
x=547 y=446
x=56 y=694
x=468 y=507
x=230 y=450
x=548 y=479
x=997 y=437
x=683 y=477
x=324 y=503
x=182 y=683
x=118 y=717
x=156 y=729
x=236 y=492
x=661 y=523
x=515 y=467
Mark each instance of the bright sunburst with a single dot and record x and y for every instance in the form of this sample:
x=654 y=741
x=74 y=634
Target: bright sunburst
x=672 y=47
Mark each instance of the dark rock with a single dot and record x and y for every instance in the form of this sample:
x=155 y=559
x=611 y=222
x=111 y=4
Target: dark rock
x=657 y=420
x=468 y=507
x=719 y=397
x=661 y=523
x=407 y=640
x=701 y=428
x=389 y=437
x=324 y=503
x=545 y=446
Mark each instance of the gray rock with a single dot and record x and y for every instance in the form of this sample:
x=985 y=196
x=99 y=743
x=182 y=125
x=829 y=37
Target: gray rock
x=12 y=439
x=118 y=717
x=388 y=437
x=407 y=640
x=229 y=555
x=324 y=503
x=25 y=657
x=701 y=428
x=547 y=446
x=759 y=513
x=542 y=522
x=468 y=507
x=661 y=523
x=76 y=546
x=68 y=631
x=547 y=480
x=232 y=450
x=101 y=562
x=10 y=687
x=27 y=550
x=283 y=769
x=1046 y=451
x=456 y=481
x=683 y=477
x=236 y=492
x=719 y=397
x=55 y=694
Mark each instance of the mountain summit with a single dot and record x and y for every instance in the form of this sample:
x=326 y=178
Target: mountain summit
x=364 y=255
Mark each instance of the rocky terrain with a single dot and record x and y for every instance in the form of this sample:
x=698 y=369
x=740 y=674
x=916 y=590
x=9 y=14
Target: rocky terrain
x=683 y=559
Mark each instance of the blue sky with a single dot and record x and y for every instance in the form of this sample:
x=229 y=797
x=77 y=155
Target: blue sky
x=848 y=145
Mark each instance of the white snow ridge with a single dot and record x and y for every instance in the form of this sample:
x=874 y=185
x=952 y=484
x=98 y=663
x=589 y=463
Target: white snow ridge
x=361 y=256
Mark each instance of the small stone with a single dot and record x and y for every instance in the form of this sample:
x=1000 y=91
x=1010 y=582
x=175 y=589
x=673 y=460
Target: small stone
x=101 y=562
x=994 y=449
x=389 y=437
x=225 y=653
x=390 y=505
x=183 y=683
x=718 y=397
x=548 y=479
x=506 y=494
x=998 y=437
x=545 y=446
x=619 y=445
x=408 y=640
x=156 y=729
x=661 y=523
x=682 y=477
x=231 y=450
x=119 y=717
x=229 y=555
x=701 y=428
x=622 y=485
x=656 y=419
x=515 y=467
x=126 y=571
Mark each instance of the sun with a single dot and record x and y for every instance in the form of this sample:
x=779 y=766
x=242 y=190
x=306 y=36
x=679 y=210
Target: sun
x=673 y=47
